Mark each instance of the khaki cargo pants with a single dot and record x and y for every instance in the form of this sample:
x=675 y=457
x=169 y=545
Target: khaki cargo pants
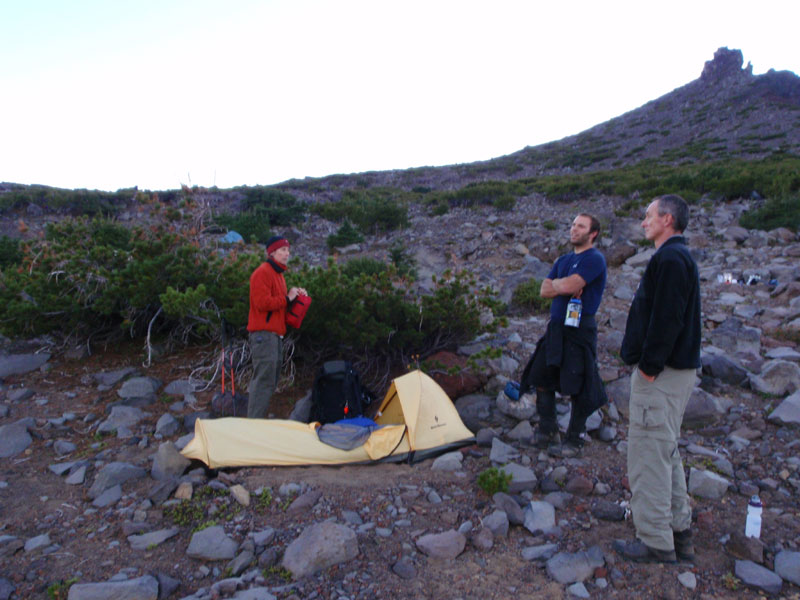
x=266 y=351
x=659 y=502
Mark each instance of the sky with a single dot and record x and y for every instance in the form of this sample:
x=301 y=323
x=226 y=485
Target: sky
x=111 y=94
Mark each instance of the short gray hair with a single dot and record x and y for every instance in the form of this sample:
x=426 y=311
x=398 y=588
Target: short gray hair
x=672 y=204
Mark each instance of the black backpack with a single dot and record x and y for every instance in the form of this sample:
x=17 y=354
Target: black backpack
x=338 y=393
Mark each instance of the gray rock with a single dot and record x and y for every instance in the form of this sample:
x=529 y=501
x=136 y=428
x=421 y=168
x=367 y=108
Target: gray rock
x=108 y=379
x=254 y=593
x=121 y=417
x=139 y=389
x=168 y=463
x=497 y=523
x=264 y=537
x=707 y=484
x=14 y=438
x=212 y=544
x=521 y=410
x=578 y=590
x=404 y=568
x=522 y=478
x=778 y=378
x=539 y=516
x=448 y=544
x=787 y=565
x=787 y=411
x=37 y=543
x=703 y=409
x=180 y=387
x=783 y=353
x=167 y=425
x=502 y=452
x=6 y=588
x=141 y=588
x=450 y=461
x=151 y=539
x=607 y=510
x=20 y=394
x=619 y=392
x=243 y=560
x=77 y=477
x=541 y=553
x=19 y=364
x=732 y=336
x=115 y=473
x=474 y=410
x=688 y=580
x=507 y=504
x=483 y=539
x=320 y=546
x=109 y=497
x=575 y=567
x=64 y=447
x=723 y=368
x=754 y=575
x=522 y=432
x=304 y=502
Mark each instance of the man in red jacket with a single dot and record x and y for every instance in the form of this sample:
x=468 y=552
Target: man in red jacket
x=267 y=324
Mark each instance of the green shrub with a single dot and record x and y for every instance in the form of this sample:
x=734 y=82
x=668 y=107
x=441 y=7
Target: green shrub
x=372 y=211
x=346 y=235
x=405 y=264
x=500 y=194
x=278 y=207
x=10 y=252
x=774 y=213
x=527 y=295
x=493 y=480
x=253 y=226
x=363 y=266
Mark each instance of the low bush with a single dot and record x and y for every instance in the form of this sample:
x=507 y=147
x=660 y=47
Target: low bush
x=346 y=235
x=493 y=480
x=372 y=210
x=527 y=295
x=10 y=253
x=774 y=213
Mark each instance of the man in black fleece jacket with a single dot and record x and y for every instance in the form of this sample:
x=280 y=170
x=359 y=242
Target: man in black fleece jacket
x=662 y=338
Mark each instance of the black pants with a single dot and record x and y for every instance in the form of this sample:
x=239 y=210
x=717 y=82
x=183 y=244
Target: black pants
x=546 y=409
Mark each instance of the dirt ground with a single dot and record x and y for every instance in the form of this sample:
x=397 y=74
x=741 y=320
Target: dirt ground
x=90 y=545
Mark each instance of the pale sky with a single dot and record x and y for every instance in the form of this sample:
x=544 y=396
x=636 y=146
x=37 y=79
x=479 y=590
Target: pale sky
x=108 y=94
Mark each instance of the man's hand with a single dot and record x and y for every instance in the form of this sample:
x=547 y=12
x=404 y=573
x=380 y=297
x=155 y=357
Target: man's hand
x=650 y=378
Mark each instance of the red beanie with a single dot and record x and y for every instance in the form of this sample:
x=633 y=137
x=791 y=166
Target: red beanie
x=276 y=242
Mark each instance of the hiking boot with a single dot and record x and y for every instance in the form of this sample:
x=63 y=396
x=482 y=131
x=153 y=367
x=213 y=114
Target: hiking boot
x=637 y=551
x=545 y=439
x=569 y=449
x=684 y=548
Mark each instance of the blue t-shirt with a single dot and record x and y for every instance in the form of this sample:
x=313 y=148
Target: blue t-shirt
x=591 y=266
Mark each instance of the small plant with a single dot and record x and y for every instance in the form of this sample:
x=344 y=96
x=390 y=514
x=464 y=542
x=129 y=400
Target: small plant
x=493 y=480
x=730 y=581
x=60 y=589
x=549 y=225
x=280 y=572
x=264 y=499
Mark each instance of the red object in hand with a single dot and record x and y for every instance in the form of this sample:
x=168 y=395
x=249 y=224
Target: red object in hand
x=297 y=310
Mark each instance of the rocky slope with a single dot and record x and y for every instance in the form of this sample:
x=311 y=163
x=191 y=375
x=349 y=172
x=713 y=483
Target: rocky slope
x=91 y=482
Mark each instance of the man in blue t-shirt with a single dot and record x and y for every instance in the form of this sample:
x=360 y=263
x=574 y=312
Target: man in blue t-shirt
x=565 y=359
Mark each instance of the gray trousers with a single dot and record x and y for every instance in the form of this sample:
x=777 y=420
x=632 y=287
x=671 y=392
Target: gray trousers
x=266 y=352
x=659 y=502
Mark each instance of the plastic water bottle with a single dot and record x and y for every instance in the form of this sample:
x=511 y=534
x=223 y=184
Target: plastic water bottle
x=573 y=317
x=752 y=526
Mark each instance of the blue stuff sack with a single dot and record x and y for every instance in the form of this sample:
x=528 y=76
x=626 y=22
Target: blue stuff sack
x=512 y=390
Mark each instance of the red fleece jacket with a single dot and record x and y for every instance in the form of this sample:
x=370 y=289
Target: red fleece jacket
x=268 y=300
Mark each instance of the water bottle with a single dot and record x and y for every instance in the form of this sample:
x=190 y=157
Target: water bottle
x=752 y=526
x=573 y=318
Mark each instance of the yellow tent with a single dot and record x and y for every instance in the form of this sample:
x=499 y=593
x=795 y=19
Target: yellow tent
x=418 y=419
